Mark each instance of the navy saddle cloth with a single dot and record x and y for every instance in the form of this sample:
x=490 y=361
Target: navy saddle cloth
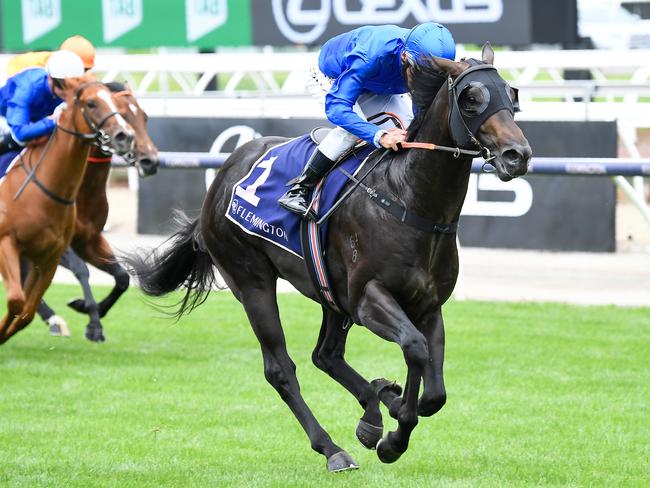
x=254 y=201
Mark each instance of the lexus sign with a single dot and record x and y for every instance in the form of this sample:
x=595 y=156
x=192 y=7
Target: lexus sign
x=312 y=22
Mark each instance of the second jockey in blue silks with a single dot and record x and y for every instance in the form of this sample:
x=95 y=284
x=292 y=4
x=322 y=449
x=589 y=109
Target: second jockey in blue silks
x=361 y=73
x=31 y=100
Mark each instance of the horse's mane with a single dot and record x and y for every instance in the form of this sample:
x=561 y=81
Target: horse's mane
x=427 y=80
x=115 y=86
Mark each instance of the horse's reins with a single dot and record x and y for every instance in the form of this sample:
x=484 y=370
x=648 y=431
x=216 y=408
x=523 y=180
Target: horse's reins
x=31 y=172
x=456 y=151
x=385 y=201
x=31 y=176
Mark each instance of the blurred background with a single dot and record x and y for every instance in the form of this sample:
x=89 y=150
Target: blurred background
x=213 y=74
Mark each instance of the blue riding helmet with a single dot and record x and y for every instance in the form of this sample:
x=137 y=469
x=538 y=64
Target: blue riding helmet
x=429 y=39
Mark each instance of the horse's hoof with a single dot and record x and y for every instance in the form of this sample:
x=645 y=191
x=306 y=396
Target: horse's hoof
x=58 y=327
x=368 y=434
x=386 y=453
x=341 y=461
x=78 y=305
x=382 y=387
x=95 y=334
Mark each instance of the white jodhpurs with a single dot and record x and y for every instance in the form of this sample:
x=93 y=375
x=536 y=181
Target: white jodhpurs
x=338 y=141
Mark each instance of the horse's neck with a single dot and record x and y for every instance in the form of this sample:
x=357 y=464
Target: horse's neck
x=96 y=172
x=63 y=165
x=433 y=183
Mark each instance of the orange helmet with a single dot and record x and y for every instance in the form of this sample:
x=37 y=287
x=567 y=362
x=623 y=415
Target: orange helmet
x=82 y=47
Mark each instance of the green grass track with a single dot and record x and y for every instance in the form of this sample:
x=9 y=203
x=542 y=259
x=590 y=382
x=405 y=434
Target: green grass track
x=538 y=395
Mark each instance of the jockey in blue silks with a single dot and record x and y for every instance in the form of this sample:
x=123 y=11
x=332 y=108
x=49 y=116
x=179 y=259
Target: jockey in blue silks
x=361 y=73
x=31 y=100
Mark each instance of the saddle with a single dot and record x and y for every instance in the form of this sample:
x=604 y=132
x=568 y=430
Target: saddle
x=319 y=133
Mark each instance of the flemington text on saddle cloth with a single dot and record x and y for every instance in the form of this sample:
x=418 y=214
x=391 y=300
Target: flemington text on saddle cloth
x=254 y=201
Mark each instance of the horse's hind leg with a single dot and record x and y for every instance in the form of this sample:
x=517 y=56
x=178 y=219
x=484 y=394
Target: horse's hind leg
x=329 y=357
x=259 y=301
x=379 y=312
x=10 y=271
x=99 y=253
x=94 y=330
x=56 y=324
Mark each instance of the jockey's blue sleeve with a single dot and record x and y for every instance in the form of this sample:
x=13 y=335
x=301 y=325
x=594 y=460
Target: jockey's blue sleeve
x=18 y=116
x=345 y=91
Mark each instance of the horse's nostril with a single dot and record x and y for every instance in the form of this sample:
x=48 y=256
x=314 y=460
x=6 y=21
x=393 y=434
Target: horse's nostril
x=511 y=156
x=121 y=137
x=149 y=165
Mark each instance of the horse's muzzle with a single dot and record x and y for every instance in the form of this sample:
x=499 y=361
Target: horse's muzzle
x=148 y=165
x=513 y=162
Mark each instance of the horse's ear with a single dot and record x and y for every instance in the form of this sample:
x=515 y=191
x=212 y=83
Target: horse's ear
x=73 y=84
x=452 y=68
x=487 y=53
x=70 y=86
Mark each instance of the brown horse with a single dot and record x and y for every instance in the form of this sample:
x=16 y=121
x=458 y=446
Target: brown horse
x=88 y=243
x=37 y=196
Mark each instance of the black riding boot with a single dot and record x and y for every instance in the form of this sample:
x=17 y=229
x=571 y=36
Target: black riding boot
x=296 y=199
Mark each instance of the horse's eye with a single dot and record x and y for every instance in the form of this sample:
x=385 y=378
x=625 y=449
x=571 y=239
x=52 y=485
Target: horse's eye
x=474 y=99
x=91 y=104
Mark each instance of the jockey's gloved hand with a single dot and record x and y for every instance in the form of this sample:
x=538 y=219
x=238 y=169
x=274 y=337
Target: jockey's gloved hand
x=57 y=111
x=391 y=138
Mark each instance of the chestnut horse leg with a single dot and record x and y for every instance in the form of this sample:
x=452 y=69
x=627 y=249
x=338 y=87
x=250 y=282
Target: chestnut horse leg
x=10 y=270
x=99 y=253
x=380 y=313
x=56 y=324
x=38 y=279
x=329 y=356
x=94 y=330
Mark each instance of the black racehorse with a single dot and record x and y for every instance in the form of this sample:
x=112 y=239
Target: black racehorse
x=395 y=287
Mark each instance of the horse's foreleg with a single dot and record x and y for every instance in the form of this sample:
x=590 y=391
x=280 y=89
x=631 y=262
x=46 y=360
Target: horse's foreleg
x=434 y=395
x=379 y=312
x=38 y=279
x=56 y=324
x=10 y=271
x=99 y=253
x=280 y=371
x=88 y=305
x=329 y=356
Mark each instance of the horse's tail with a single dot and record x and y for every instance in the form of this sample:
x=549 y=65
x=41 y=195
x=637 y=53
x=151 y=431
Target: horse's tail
x=182 y=261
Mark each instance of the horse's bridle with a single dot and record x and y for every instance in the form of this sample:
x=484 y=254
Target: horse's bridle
x=98 y=137
x=464 y=125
